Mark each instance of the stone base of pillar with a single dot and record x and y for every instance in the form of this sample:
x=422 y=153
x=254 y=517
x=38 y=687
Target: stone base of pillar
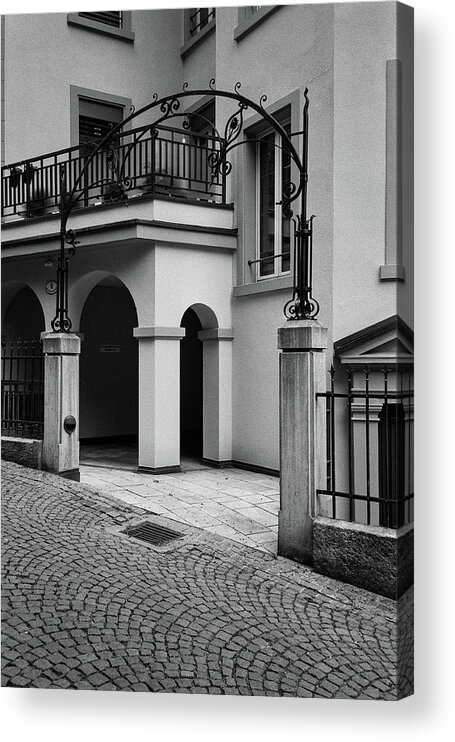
x=159 y=469
x=61 y=404
x=73 y=474
x=302 y=433
x=218 y=464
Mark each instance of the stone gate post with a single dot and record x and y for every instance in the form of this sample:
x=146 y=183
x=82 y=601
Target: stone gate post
x=61 y=404
x=302 y=433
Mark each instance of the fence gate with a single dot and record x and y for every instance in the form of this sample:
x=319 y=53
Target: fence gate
x=22 y=388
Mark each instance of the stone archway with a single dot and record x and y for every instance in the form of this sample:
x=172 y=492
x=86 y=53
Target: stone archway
x=206 y=386
x=108 y=364
x=22 y=313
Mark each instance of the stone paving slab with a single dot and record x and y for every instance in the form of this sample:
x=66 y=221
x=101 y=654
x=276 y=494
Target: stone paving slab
x=85 y=607
x=231 y=502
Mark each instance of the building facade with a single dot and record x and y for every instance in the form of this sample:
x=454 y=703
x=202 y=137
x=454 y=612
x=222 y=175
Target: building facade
x=177 y=290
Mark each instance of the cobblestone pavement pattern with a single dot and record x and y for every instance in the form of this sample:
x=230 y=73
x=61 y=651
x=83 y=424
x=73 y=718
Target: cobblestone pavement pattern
x=86 y=607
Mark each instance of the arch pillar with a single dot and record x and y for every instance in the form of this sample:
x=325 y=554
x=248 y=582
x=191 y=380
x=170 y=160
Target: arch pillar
x=159 y=398
x=217 y=395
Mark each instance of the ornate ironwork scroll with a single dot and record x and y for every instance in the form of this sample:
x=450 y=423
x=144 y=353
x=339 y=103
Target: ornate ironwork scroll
x=302 y=305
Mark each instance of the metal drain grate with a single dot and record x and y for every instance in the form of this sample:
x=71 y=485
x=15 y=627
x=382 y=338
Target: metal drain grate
x=152 y=533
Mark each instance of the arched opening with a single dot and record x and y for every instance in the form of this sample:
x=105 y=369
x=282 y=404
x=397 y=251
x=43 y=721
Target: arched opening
x=109 y=375
x=191 y=388
x=24 y=316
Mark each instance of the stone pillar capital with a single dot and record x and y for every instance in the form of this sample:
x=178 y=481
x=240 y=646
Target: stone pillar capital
x=61 y=343
x=302 y=335
x=159 y=333
x=216 y=333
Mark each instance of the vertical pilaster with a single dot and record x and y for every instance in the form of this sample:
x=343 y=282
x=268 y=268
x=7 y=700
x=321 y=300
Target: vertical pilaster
x=61 y=404
x=393 y=269
x=302 y=433
x=159 y=398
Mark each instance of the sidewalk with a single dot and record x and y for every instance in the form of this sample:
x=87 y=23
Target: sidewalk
x=240 y=505
x=87 y=607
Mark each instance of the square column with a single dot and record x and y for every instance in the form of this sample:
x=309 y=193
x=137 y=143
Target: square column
x=61 y=404
x=159 y=398
x=302 y=434
x=217 y=395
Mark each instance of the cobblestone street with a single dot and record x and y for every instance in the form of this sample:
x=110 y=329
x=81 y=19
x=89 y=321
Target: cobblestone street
x=87 y=607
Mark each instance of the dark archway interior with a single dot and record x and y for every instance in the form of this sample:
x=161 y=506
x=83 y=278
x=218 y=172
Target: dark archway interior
x=191 y=387
x=24 y=317
x=109 y=364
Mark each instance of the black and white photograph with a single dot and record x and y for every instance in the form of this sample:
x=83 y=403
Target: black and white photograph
x=208 y=350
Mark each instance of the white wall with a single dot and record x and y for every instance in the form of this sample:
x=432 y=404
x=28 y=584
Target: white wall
x=45 y=56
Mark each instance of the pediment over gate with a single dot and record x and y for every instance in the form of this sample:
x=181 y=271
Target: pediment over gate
x=386 y=343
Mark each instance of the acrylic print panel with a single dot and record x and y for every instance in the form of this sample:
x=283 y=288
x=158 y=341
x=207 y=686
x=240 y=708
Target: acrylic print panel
x=190 y=506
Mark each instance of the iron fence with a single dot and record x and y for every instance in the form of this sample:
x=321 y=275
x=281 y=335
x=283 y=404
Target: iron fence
x=162 y=162
x=22 y=388
x=369 y=446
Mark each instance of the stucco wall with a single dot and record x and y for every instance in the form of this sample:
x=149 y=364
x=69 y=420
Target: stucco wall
x=46 y=55
x=365 y=37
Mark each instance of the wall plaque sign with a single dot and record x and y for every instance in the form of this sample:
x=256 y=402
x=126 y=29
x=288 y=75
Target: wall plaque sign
x=109 y=348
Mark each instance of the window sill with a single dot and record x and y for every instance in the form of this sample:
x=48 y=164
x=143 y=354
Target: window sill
x=264 y=286
x=123 y=34
x=391 y=273
x=255 y=19
x=195 y=40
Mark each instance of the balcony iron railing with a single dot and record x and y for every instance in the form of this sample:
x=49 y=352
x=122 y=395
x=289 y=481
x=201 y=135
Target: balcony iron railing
x=199 y=18
x=154 y=162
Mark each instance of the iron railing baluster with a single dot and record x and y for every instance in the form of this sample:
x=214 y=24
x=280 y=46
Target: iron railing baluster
x=332 y=434
x=351 y=449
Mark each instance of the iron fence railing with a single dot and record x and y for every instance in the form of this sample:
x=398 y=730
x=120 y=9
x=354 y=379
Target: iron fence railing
x=369 y=446
x=22 y=388
x=148 y=161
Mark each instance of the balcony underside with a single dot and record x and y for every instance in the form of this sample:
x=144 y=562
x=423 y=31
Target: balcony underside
x=167 y=221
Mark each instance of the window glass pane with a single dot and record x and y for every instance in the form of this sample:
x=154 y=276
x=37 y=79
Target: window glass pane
x=267 y=204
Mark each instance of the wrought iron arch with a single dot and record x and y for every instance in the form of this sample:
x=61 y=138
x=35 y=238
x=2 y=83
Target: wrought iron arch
x=302 y=305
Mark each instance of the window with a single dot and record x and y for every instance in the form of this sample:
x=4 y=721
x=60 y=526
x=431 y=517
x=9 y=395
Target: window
x=95 y=121
x=93 y=115
x=109 y=17
x=273 y=170
x=252 y=16
x=250 y=9
x=199 y=18
x=108 y=22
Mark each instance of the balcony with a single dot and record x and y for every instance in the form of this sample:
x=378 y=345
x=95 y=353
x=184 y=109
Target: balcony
x=147 y=161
